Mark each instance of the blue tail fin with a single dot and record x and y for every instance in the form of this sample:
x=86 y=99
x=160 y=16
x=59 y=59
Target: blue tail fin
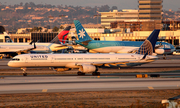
x=148 y=45
x=82 y=34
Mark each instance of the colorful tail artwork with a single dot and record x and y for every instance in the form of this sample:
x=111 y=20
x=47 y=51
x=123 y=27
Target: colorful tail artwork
x=62 y=36
x=148 y=45
x=82 y=34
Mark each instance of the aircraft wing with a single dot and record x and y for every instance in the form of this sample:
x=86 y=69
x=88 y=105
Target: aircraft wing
x=107 y=64
x=61 y=46
x=70 y=46
x=26 y=50
x=66 y=45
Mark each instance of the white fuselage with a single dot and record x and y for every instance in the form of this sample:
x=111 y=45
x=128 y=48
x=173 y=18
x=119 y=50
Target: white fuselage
x=73 y=60
x=40 y=47
x=21 y=48
x=115 y=49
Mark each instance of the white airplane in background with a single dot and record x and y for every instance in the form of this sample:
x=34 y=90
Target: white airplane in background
x=12 y=49
x=88 y=62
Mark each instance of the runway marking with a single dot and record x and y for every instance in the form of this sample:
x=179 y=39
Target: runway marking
x=44 y=90
x=150 y=87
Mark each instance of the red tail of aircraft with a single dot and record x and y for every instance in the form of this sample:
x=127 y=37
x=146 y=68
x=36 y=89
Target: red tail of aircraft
x=62 y=36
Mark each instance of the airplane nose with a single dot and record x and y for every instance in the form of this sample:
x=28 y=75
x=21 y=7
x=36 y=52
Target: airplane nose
x=10 y=64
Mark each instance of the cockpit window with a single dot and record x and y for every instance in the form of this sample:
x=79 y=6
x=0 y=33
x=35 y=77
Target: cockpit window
x=15 y=59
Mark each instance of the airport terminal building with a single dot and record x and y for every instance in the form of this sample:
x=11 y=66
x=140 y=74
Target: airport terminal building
x=172 y=37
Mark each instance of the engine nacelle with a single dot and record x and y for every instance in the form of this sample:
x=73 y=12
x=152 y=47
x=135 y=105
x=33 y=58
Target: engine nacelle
x=159 y=51
x=87 y=68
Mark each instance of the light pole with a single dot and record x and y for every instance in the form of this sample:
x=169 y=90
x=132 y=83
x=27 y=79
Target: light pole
x=98 y=15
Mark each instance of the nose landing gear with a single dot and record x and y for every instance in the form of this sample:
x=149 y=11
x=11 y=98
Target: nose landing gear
x=24 y=71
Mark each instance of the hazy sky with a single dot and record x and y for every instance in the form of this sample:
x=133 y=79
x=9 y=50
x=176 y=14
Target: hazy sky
x=121 y=4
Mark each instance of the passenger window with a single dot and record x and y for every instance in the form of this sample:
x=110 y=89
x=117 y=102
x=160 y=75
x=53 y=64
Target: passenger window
x=16 y=59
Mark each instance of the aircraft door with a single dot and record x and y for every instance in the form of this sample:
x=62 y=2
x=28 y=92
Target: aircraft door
x=52 y=60
x=26 y=60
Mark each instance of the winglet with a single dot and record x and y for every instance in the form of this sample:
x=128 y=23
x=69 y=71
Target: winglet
x=82 y=34
x=149 y=44
x=34 y=45
x=31 y=42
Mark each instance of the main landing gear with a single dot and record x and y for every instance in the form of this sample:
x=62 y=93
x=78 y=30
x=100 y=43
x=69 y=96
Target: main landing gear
x=164 y=56
x=96 y=73
x=80 y=73
x=24 y=71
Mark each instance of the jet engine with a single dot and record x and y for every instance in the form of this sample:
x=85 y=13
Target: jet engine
x=87 y=68
x=159 y=51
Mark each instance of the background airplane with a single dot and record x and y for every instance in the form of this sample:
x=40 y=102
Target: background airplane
x=89 y=62
x=116 y=46
x=11 y=49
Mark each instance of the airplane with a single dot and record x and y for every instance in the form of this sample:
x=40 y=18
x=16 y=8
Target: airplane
x=11 y=49
x=89 y=62
x=116 y=46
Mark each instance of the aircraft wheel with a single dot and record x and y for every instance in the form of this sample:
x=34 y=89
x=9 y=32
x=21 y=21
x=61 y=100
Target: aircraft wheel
x=24 y=74
x=80 y=73
x=96 y=73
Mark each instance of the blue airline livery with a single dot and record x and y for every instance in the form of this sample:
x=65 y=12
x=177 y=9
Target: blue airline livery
x=117 y=46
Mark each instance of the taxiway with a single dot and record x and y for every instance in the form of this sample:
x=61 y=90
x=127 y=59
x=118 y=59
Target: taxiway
x=83 y=83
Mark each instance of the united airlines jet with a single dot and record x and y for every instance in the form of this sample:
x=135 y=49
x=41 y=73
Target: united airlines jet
x=89 y=62
x=116 y=46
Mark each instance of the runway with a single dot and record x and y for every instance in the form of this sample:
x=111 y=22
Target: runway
x=83 y=83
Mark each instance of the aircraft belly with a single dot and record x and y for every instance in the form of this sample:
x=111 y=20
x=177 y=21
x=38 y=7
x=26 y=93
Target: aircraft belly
x=37 y=64
x=71 y=65
x=108 y=49
x=115 y=49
